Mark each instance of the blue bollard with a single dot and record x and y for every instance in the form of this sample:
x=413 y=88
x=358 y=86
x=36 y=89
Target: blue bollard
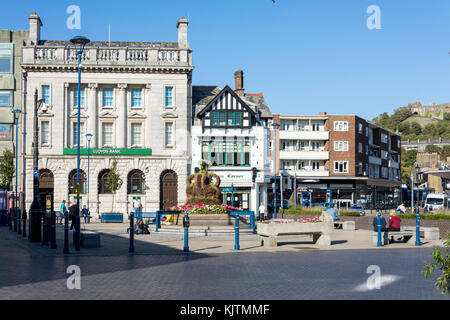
x=417 y=229
x=186 y=224
x=252 y=221
x=19 y=221
x=379 y=244
x=236 y=231
x=131 y=250
x=77 y=231
x=15 y=219
x=66 y=233
x=157 y=225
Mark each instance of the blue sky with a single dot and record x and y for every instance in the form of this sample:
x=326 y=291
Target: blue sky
x=306 y=56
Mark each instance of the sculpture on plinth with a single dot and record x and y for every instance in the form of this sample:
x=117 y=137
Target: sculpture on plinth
x=203 y=187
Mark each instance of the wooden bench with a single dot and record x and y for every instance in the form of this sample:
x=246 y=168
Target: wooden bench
x=112 y=217
x=345 y=225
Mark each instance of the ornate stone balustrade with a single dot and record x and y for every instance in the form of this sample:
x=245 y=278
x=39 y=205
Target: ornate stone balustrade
x=55 y=55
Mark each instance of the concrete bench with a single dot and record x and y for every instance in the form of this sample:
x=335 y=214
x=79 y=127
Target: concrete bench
x=430 y=233
x=268 y=233
x=345 y=225
x=388 y=237
x=90 y=240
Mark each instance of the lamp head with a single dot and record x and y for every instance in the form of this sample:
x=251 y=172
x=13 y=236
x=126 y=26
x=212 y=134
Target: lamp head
x=16 y=111
x=79 y=42
x=275 y=124
x=88 y=136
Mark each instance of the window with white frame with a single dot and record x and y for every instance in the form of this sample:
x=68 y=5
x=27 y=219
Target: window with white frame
x=136 y=97
x=384 y=154
x=316 y=166
x=360 y=168
x=316 y=127
x=5 y=98
x=108 y=97
x=341 y=167
x=301 y=145
x=301 y=126
x=136 y=134
x=107 y=134
x=384 y=172
x=45 y=133
x=360 y=127
x=360 y=147
x=315 y=146
x=168 y=97
x=46 y=94
x=169 y=134
x=285 y=145
x=285 y=126
x=75 y=97
x=301 y=165
x=75 y=133
x=285 y=165
x=6 y=58
x=384 y=138
x=341 y=126
x=341 y=146
x=367 y=131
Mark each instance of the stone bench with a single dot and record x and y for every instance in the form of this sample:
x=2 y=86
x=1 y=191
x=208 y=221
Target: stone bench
x=268 y=233
x=90 y=240
x=429 y=233
x=345 y=225
x=388 y=236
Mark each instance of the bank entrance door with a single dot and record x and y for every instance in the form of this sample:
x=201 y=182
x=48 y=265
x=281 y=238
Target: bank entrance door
x=46 y=188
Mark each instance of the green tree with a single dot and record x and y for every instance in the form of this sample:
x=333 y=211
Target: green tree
x=445 y=152
x=7 y=169
x=431 y=148
x=404 y=128
x=446 y=116
x=406 y=173
x=113 y=181
x=408 y=157
x=430 y=129
x=441 y=260
x=416 y=129
x=399 y=116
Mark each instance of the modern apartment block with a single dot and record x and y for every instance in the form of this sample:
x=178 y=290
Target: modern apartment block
x=340 y=155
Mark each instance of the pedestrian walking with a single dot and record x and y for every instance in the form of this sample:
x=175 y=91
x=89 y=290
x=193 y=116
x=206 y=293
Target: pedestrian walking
x=62 y=211
x=72 y=215
x=262 y=212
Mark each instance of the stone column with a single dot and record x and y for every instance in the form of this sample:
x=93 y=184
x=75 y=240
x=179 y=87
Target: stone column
x=121 y=128
x=92 y=125
x=67 y=109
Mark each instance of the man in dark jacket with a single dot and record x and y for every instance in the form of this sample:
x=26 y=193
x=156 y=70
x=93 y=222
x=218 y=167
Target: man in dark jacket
x=72 y=215
x=382 y=223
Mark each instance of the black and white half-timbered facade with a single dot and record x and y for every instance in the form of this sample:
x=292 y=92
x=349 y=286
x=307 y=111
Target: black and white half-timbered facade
x=229 y=133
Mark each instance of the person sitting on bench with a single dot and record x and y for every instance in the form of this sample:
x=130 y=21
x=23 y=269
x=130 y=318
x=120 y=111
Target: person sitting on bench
x=394 y=221
x=382 y=223
x=333 y=212
x=142 y=228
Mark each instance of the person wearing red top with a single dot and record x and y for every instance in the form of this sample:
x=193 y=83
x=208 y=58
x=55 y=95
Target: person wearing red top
x=394 y=221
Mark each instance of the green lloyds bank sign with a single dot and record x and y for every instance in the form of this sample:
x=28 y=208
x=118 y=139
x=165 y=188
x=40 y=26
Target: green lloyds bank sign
x=108 y=152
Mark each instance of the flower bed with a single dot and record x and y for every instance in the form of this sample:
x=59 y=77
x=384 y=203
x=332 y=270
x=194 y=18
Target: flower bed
x=307 y=220
x=205 y=209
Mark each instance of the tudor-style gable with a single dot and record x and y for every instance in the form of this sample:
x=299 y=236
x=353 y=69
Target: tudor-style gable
x=227 y=110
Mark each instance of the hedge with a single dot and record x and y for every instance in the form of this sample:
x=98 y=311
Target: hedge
x=426 y=216
x=294 y=211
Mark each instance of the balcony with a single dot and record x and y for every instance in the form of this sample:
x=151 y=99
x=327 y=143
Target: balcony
x=375 y=160
x=304 y=155
x=304 y=135
x=121 y=56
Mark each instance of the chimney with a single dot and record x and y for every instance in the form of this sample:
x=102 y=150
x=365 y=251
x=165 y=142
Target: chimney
x=35 y=28
x=182 y=26
x=322 y=114
x=239 y=82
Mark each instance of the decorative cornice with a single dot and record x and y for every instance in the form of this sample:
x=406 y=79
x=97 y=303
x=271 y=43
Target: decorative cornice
x=108 y=114
x=169 y=114
x=112 y=69
x=122 y=86
x=93 y=86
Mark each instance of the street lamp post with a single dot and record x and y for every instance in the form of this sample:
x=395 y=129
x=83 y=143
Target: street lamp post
x=275 y=170
x=17 y=216
x=35 y=210
x=88 y=138
x=79 y=43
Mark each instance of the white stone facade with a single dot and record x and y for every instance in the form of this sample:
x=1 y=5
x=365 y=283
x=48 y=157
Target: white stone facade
x=148 y=67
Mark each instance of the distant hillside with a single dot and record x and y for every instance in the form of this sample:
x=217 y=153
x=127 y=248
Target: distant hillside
x=411 y=123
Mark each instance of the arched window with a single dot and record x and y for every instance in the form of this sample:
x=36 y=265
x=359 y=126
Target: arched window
x=136 y=182
x=73 y=182
x=102 y=177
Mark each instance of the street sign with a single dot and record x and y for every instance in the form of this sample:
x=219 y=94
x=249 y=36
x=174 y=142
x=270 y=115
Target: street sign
x=227 y=189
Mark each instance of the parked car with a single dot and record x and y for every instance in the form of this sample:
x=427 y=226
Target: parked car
x=270 y=205
x=358 y=208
